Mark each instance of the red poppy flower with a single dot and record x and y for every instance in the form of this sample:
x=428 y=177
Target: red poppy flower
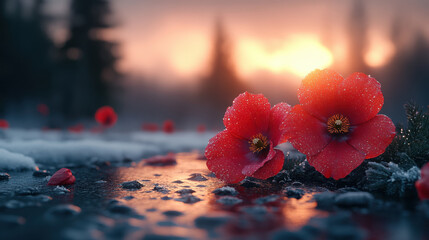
x=43 y=109
x=336 y=123
x=62 y=177
x=106 y=116
x=150 y=127
x=78 y=128
x=246 y=146
x=4 y=124
x=168 y=126
x=422 y=185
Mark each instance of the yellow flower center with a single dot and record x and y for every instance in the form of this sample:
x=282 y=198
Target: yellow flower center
x=258 y=143
x=338 y=124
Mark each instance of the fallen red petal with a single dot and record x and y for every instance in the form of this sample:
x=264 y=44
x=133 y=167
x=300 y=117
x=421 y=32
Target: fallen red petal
x=272 y=167
x=422 y=185
x=62 y=177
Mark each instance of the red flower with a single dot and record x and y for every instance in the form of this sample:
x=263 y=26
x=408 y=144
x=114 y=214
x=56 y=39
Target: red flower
x=43 y=109
x=106 y=116
x=62 y=177
x=4 y=124
x=246 y=146
x=168 y=126
x=336 y=124
x=422 y=185
x=150 y=127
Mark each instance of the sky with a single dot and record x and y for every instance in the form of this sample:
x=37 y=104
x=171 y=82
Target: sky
x=170 y=40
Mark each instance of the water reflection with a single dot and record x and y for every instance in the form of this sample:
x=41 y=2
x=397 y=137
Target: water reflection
x=247 y=217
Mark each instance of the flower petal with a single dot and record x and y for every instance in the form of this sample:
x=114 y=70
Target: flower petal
x=256 y=162
x=318 y=93
x=277 y=116
x=306 y=133
x=336 y=160
x=373 y=137
x=226 y=156
x=62 y=177
x=359 y=98
x=272 y=167
x=248 y=115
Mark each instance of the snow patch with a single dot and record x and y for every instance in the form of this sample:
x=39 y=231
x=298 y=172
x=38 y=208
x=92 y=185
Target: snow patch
x=15 y=161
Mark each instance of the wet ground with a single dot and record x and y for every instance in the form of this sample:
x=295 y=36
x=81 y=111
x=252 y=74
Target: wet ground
x=185 y=201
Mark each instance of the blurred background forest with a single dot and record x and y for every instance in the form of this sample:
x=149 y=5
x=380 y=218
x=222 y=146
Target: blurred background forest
x=187 y=60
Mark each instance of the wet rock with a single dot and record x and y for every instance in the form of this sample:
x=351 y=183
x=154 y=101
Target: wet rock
x=28 y=191
x=41 y=173
x=163 y=237
x=161 y=189
x=211 y=175
x=188 y=198
x=197 y=177
x=325 y=200
x=11 y=220
x=354 y=199
x=159 y=160
x=166 y=224
x=157 y=175
x=120 y=209
x=225 y=191
x=4 y=176
x=185 y=191
x=132 y=185
x=61 y=190
x=172 y=213
x=248 y=183
x=63 y=211
x=166 y=198
x=292 y=192
x=229 y=200
x=128 y=198
x=211 y=221
x=266 y=199
x=178 y=181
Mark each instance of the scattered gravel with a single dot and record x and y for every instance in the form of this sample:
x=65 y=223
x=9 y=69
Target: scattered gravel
x=28 y=191
x=4 y=176
x=63 y=211
x=133 y=185
x=161 y=189
x=188 y=198
x=229 y=200
x=197 y=177
x=225 y=191
x=172 y=213
x=185 y=191
x=292 y=192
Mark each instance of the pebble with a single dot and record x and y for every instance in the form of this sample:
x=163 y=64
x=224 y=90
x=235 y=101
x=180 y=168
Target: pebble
x=325 y=200
x=201 y=185
x=12 y=204
x=136 y=184
x=178 y=181
x=128 y=198
x=151 y=210
x=100 y=181
x=120 y=209
x=229 y=201
x=172 y=213
x=294 y=192
x=61 y=190
x=211 y=175
x=197 y=177
x=185 y=191
x=188 y=198
x=247 y=183
x=28 y=191
x=161 y=189
x=11 y=220
x=4 y=176
x=64 y=211
x=166 y=198
x=166 y=224
x=266 y=199
x=256 y=211
x=225 y=191
x=354 y=199
x=41 y=173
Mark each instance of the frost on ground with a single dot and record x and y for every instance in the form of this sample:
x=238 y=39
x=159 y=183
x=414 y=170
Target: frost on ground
x=62 y=148
x=15 y=161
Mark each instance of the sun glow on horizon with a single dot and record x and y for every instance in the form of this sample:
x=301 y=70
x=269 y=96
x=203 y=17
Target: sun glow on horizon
x=298 y=55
